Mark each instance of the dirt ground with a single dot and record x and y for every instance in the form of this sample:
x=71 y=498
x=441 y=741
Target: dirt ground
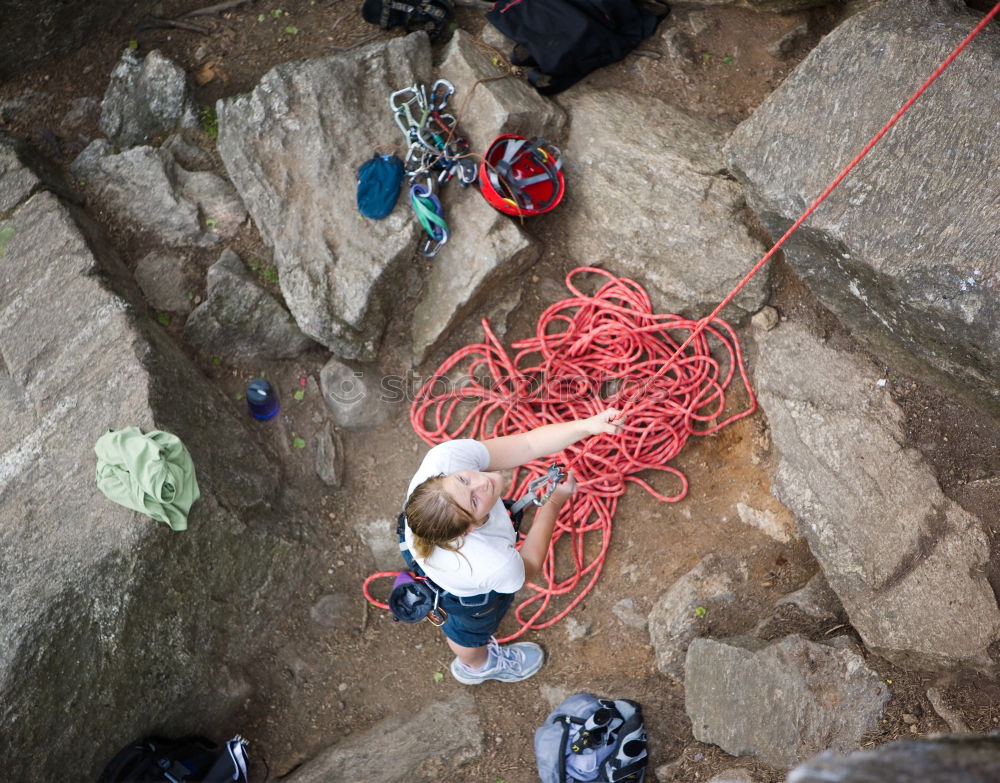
x=316 y=684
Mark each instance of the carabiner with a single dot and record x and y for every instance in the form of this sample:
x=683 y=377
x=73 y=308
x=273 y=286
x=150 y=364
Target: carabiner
x=396 y=103
x=434 y=102
x=552 y=476
x=415 y=162
x=401 y=102
x=431 y=247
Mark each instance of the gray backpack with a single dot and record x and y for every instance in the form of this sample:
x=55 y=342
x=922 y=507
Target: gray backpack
x=591 y=740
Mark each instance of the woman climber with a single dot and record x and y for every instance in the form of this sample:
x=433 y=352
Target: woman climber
x=460 y=537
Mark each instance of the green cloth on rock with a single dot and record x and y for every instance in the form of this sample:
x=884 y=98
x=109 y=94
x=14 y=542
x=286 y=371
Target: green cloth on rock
x=151 y=473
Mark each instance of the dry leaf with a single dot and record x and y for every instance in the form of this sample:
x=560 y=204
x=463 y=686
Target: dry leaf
x=212 y=69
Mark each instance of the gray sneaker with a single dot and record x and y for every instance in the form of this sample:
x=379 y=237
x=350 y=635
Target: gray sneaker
x=512 y=663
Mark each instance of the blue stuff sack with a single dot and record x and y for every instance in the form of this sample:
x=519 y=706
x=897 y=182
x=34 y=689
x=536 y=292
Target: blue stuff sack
x=379 y=180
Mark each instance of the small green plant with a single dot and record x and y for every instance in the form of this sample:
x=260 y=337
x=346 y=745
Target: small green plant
x=163 y=319
x=728 y=59
x=261 y=17
x=216 y=361
x=298 y=442
x=190 y=296
x=299 y=395
x=211 y=222
x=238 y=396
x=706 y=56
x=210 y=121
x=5 y=234
x=700 y=611
x=270 y=274
x=276 y=13
x=292 y=30
x=133 y=44
x=438 y=677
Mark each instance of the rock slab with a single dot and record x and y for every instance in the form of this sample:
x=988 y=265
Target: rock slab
x=240 y=320
x=938 y=760
x=102 y=638
x=426 y=746
x=146 y=97
x=481 y=261
x=714 y=587
x=904 y=250
x=165 y=281
x=292 y=147
x=811 y=696
x=908 y=564
x=146 y=187
x=668 y=215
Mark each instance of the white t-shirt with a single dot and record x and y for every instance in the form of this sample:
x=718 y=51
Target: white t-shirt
x=488 y=559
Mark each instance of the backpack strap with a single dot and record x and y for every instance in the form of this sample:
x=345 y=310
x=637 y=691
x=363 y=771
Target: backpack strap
x=135 y=760
x=567 y=721
x=630 y=758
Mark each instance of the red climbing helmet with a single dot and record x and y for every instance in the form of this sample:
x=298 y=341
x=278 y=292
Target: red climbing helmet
x=521 y=176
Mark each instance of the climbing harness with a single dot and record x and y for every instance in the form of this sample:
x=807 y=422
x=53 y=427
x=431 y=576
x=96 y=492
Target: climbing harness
x=592 y=350
x=435 y=154
x=520 y=176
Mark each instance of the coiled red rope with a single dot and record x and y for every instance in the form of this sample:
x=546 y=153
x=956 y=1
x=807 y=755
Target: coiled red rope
x=588 y=352
x=600 y=350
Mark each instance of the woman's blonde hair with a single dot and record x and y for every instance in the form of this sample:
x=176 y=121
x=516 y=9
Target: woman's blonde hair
x=435 y=518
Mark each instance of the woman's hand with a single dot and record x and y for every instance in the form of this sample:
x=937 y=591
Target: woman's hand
x=565 y=489
x=604 y=423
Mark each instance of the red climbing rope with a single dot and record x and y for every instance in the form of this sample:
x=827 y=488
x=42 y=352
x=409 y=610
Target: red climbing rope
x=590 y=351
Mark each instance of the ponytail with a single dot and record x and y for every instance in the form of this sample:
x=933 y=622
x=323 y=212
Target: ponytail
x=435 y=519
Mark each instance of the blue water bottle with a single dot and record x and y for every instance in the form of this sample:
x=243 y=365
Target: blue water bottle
x=262 y=400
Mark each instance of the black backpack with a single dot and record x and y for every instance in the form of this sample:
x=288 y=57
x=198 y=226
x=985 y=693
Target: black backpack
x=430 y=15
x=564 y=40
x=184 y=760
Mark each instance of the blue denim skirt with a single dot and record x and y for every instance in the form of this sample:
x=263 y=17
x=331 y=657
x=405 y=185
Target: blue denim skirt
x=472 y=620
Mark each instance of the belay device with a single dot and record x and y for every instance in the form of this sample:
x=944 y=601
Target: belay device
x=591 y=740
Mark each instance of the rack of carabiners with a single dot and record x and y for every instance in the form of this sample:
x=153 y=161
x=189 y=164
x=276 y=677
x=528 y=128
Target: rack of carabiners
x=436 y=154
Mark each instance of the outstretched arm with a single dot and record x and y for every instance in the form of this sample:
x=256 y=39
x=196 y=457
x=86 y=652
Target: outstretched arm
x=536 y=543
x=510 y=451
